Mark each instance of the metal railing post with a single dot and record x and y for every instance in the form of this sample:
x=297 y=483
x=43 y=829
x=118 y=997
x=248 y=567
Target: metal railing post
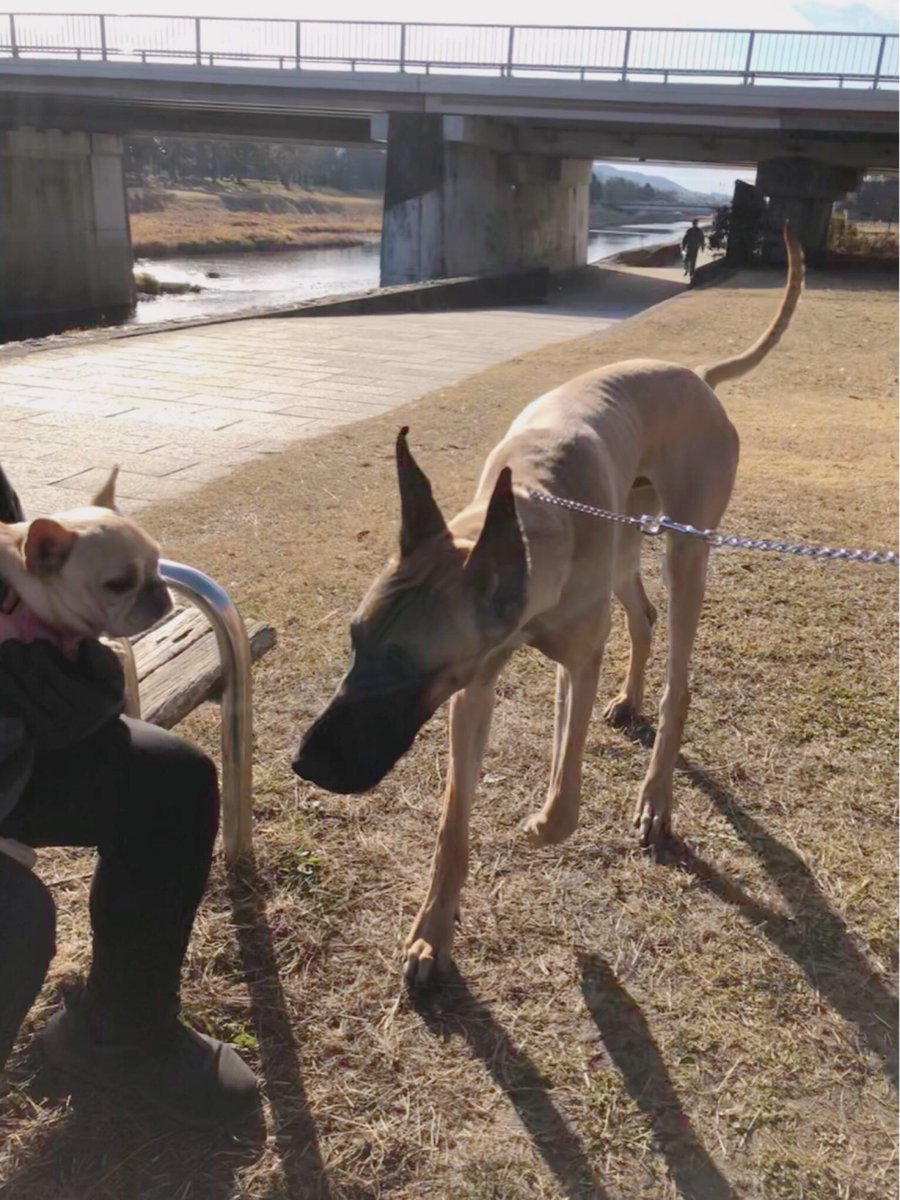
x=509 y=51
x=403 y=48
x=880 y=60
x=198 y=50
x=237 y=701
x=297 y=44
x=625 y=56
x=13 y=44
x=102 y=37
x=749 y=59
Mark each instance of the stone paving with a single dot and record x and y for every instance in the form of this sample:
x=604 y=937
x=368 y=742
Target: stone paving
x=179 y=408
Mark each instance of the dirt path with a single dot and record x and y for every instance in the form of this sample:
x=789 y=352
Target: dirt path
x=719 y=1025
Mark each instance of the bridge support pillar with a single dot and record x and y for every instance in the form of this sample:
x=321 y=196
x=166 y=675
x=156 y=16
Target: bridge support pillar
x=65 y=243
x=803 y=191
x=460 y=200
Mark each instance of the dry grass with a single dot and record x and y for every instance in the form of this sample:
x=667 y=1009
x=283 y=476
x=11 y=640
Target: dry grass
x=717 y=1024
x=210 y=222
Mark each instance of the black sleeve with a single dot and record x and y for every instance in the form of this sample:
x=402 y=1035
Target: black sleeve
x=61 y=702
x=11 y=511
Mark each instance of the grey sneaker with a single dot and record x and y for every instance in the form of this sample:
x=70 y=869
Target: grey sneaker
x=187 y=1075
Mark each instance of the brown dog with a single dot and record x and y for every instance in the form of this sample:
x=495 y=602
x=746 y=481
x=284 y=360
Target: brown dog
x=445 y=615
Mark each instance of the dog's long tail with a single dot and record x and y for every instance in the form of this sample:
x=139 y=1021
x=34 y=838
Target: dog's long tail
x=733 y=368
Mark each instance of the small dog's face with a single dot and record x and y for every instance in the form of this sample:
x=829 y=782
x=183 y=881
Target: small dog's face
x=90 y=570
x=428 y=623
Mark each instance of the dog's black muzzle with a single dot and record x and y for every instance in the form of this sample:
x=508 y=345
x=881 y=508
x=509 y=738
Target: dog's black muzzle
x=355 y=742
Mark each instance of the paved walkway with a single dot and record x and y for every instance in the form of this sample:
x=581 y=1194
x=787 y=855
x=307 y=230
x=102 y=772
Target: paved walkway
x=180 y=408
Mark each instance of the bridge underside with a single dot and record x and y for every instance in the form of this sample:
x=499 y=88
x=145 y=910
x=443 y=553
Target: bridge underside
x=678 y=122
x=484 y=175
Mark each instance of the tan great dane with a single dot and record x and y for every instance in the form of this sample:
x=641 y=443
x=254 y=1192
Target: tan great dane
x=449 y=610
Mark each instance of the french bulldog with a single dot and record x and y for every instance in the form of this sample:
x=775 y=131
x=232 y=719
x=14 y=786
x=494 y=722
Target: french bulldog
x=88 y=572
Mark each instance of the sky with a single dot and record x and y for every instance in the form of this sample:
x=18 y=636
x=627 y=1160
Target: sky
x=878 y=16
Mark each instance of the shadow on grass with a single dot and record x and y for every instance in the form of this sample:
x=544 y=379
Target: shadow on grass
x=81 y=1142
x=454 y=1012
x=631 y=1047
x=813 y=934
x=294 y=1127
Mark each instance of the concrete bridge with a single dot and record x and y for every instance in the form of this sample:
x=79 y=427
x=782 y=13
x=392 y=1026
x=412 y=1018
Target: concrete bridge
x=490 y=131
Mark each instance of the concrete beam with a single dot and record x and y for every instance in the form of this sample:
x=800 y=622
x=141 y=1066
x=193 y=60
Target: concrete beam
x=65 y=244
x=43 y=112
x=705 y=147
x=802 y=191
x=452 y=207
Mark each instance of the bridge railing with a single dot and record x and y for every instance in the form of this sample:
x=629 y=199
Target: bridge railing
x=738 y=56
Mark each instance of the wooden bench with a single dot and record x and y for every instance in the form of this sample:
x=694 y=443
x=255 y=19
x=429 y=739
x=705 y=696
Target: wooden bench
x=200 y=653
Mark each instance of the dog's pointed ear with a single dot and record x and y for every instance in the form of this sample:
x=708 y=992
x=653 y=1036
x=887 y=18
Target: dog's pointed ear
x=106 y=497
x=497 y=568
x=420 y=517
x=47 y=546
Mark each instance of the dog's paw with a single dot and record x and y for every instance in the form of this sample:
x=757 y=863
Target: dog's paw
x=426 y=954
x=620 y=713
x=653 y=816
x=545 y=829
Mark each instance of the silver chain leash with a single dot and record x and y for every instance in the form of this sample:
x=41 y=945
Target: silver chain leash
x=653 y=526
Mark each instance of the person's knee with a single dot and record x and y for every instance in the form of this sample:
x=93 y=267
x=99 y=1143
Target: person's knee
x=194 y=784
x=176 y=784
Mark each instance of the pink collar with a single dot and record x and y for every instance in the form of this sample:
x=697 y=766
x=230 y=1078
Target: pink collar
x=24 y=625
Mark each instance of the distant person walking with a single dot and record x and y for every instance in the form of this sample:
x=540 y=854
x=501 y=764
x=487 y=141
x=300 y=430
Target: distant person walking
x=691 y=245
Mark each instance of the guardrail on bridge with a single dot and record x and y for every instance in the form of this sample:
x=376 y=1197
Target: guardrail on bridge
x=738 y=56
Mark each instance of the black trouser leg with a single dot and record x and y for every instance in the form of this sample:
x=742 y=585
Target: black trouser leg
x=149 y=802
x=27 y=943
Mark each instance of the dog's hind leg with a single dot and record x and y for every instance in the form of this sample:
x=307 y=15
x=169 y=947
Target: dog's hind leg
x=579 y=653
x=698 y=497
x=686 y=564
x=641 y=617
x=427 y=948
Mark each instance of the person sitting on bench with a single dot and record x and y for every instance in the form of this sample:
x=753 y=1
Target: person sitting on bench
x=75 y=772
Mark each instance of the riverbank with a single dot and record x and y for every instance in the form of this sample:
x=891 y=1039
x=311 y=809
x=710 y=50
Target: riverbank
x=230 y=218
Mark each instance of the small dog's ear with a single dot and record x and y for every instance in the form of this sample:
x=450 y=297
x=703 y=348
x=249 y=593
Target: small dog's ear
x=420 y=517
x=47 y=546
x=497 y=568
x=106 y=497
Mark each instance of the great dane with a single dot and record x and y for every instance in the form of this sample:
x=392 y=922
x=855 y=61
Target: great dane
x=448 y=611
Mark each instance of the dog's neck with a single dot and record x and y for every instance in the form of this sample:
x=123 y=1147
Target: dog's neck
x=546 y=533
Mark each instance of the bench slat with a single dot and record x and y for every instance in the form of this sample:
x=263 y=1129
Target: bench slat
x=178 y=673
x=170 y=639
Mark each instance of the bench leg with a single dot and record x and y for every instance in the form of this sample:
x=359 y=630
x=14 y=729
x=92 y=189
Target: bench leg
x=237 y=711
x=124 y=651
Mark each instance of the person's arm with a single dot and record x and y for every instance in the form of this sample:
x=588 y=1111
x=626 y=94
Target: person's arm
x=60 y=702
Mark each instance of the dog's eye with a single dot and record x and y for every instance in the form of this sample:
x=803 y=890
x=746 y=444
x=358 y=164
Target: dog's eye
x=398 y=661
x=120 y=586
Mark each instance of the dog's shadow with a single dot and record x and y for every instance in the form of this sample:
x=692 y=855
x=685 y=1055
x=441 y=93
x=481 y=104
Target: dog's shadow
x=453 y=1011
x=631 y=1047
x=812 y=933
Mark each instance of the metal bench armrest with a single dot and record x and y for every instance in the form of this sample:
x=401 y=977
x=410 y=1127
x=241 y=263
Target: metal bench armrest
x=237 y=703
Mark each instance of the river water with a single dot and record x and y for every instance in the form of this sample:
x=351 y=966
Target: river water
x=234 y=283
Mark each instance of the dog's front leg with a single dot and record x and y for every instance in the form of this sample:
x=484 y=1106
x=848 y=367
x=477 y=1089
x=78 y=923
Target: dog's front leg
x=430 y=940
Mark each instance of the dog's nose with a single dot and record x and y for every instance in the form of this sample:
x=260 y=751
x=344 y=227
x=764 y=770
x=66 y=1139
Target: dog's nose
x=317 y=768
